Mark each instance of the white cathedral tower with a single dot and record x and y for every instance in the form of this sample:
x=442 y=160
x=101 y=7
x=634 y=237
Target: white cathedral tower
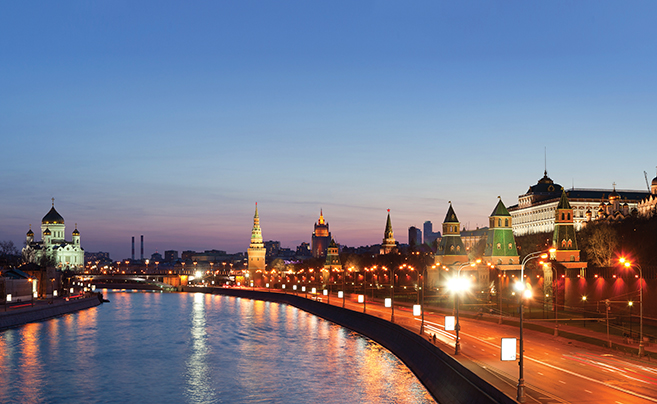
x=66 y=254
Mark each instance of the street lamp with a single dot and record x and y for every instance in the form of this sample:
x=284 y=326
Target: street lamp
x=628 y=264
x=520 y=286
x=457 y=286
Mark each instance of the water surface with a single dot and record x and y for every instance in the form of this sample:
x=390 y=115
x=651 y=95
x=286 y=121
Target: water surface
x=198 y=348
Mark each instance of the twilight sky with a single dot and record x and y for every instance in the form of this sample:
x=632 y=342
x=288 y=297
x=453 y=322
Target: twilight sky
x=171 y=119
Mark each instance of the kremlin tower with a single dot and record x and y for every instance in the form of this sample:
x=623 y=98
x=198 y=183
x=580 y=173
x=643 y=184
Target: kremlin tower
x=256 y=251
x=564 y=241
x=388 y=245
x=451 y=250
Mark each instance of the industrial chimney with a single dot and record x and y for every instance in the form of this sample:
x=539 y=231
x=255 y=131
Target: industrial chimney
x=142 y=248
x=133 y=248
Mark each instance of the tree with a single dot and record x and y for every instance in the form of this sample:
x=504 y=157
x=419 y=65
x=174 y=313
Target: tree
x=600 y=243
x=8 y=248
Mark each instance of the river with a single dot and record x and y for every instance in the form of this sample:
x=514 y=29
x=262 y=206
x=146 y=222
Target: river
x=198 y=348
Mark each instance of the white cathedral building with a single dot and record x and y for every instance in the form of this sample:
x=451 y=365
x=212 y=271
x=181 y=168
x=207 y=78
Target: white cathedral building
x=67 y=254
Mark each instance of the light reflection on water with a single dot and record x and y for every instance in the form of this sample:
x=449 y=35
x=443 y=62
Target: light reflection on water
x=198 y=348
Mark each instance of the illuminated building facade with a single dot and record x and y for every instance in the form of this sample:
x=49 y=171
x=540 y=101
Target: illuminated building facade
x=66 y=254
x=256 y=252
x=321 y=237
x=536 y=209
x=648 y=206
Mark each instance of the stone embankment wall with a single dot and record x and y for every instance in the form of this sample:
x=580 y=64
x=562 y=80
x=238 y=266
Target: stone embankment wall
x=445 y=378
x=18 y=317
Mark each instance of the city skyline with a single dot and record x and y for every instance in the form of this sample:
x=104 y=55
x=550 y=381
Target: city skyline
x=172 y=121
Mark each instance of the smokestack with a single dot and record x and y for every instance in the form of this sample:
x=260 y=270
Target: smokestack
x=133 y=248
x=142 y=247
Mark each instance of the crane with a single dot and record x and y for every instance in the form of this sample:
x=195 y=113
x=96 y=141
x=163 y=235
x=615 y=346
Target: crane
x=645 y=174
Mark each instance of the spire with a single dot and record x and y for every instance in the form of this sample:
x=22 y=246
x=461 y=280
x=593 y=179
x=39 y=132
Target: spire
x=256 y=233
x=53 y=202
x=389 y=244
x=563 y=202
x=321 y=217
x=388 y=233
x=450 y=217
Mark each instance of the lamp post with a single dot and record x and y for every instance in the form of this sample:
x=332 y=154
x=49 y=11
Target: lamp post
x=628 y=264
x=422 y=302
x=344 y=273
x=457 y=286
x=392 y=295
x=520 y=286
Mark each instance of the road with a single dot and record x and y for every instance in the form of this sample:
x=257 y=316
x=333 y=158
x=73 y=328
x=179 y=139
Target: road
x=556 y=370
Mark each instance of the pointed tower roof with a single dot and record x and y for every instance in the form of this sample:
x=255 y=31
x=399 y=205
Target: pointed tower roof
x=321 y=217
x=256 y=233
x=388 y=232
x=30 y=232
x=450 y=217
x=500 y=209
x=563 y=202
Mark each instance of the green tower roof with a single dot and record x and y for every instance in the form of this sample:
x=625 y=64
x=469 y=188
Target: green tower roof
x=500 y=210
x=563 y=202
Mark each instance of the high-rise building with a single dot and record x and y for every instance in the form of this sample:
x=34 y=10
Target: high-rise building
x=272 y=248
x=414 y=236
x=429 y=236
x=170 y=255
x=256 y=252
x=388 y=245
x=321 y=237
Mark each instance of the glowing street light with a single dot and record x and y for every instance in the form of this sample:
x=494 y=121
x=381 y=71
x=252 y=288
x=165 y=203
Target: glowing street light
x=458 y=285
x=520 y=286
x=628 y=264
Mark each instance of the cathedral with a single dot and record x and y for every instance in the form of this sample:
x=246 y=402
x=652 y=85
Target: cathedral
x=66 y=254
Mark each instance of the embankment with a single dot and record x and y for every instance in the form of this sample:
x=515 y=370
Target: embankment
x=18 y=317
x=445 y=378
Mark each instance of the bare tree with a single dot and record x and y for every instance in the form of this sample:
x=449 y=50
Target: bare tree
x=601 y=244
x=8 y=248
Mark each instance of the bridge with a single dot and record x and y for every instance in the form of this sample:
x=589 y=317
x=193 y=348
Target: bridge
x=164 y=283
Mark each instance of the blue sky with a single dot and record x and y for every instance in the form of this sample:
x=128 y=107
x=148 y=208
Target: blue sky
x=171 y=119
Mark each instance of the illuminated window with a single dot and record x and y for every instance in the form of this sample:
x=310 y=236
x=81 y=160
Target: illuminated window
x=499 y=246
x=563 y=243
